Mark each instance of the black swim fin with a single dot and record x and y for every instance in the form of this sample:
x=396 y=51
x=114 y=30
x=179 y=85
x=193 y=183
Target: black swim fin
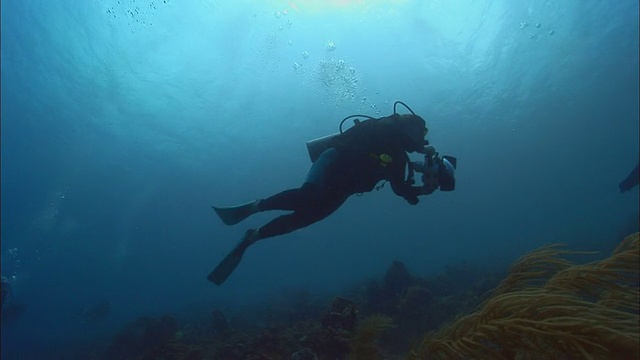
x=231 y=261
x=226 y=266
x=232 y=215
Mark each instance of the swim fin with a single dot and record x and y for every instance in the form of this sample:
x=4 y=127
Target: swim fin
x=226 y=267
x=231 y=261
x=232 y=215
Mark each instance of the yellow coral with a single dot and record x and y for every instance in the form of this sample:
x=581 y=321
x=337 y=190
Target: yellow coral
x=549 y=308
x=363 y=342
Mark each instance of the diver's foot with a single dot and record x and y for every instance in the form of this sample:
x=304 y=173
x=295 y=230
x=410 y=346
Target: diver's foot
x=232 y=215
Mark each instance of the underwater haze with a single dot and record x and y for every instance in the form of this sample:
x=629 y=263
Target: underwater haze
x=123 y=121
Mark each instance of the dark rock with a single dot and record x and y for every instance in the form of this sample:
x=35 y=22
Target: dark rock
x=342 y=315
x=220 y=323
x=304 y=354
x=397 y=279
x=141 y=336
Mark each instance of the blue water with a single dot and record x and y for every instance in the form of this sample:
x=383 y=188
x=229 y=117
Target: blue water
x=122 y=121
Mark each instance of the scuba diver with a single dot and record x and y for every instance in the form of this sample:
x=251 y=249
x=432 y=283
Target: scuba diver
x=630 y=181
x=7 y=294
x=346 y=163
x=11 y=309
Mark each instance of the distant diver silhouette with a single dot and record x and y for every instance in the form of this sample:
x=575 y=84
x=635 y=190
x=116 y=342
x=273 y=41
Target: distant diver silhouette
x=630 y=181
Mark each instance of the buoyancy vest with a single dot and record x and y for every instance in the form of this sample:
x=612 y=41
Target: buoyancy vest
x=371 y=150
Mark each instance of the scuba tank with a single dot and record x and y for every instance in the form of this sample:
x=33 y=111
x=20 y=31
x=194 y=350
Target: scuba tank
x=317 y=146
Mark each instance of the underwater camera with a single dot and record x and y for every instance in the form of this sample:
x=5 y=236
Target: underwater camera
x=446 y=173
x=437 y=172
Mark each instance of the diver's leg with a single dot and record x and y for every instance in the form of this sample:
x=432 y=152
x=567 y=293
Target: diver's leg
x=292 y=200
x=281 y=225
x=301 y=218
x=313 y=190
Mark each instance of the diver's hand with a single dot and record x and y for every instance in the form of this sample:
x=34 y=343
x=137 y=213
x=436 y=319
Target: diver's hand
x=412 y=200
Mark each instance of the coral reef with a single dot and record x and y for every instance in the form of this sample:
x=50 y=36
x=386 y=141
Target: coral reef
x=418 y=305
x=363 y=343
x=548 y=308
x=395 y=312
x=144 y=337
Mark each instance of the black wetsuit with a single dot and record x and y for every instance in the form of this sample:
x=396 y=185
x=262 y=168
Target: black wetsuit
x=630 y=181
x=361 y=157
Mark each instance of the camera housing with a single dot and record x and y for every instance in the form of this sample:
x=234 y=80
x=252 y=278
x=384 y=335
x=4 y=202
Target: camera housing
x=437 y=172
x=446 y=173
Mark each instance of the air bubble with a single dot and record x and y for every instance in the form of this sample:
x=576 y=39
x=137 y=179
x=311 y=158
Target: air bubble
x=330 y=46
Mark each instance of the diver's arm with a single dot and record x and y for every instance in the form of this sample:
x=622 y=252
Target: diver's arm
x=408 y=192
x=403 y=188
